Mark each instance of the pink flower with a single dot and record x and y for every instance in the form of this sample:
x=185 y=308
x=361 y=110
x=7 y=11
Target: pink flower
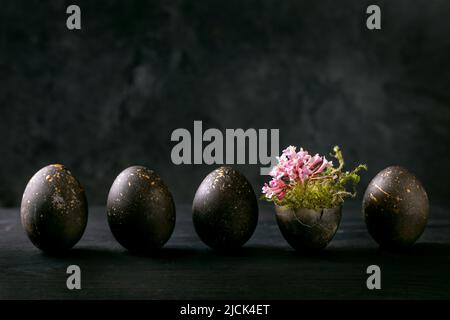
x=294 y=167
x=317 y=165
x=276 y=187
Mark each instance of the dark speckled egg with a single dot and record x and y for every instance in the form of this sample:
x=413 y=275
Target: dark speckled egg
x=225 y=209
x=54 y=209
x=395 y=208
x=141 y=211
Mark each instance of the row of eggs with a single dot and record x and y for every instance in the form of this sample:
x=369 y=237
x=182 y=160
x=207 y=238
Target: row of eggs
x=141 y=211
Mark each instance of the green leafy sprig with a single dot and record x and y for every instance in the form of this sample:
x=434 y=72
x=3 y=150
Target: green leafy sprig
x=326 y=189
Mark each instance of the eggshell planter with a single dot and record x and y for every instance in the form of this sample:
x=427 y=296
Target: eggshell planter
x=308 y=229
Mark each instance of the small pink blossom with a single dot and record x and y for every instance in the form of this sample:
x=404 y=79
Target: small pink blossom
x=293 y=167
x=276 y=187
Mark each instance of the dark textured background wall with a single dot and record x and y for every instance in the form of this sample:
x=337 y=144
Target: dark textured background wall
x=109 y=96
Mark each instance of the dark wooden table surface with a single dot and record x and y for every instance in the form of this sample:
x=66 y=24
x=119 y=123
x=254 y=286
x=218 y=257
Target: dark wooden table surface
x=266 y=268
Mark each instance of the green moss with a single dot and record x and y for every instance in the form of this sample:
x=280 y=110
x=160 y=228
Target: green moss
x=328 y=190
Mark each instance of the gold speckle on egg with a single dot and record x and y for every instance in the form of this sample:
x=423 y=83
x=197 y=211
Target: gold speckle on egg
x=379 y=188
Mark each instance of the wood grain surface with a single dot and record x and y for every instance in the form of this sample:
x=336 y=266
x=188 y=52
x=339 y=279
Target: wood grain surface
x=266 y=268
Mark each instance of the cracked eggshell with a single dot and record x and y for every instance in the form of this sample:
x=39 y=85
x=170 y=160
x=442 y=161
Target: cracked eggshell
x=395 y=208
x=54 y=209
x=308 y=230
x=140 y=210
x=225 y=209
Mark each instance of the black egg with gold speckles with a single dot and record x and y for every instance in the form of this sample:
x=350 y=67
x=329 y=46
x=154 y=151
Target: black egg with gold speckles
x=54 y=209
x=395 y=208
x=141 y=210
x=225 y=209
